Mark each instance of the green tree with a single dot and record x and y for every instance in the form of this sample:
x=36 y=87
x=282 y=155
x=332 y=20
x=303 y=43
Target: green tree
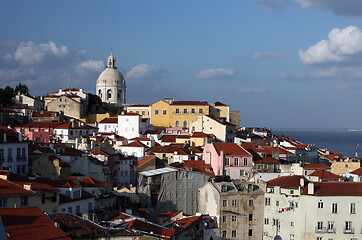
x=6 y=96
x=22 y=89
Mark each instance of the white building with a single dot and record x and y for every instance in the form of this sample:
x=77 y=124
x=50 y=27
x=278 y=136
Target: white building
x=298 y=209
x=129 y=125
x=111 y=86
x=13 y=152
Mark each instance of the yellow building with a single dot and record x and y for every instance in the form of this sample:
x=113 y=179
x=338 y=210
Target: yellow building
x=143 y=110
x=171 y=113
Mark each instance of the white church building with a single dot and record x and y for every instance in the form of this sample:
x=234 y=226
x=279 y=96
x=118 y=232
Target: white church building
x=111 y=86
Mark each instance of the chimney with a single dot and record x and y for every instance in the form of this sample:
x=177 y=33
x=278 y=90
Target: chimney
x=311 y=188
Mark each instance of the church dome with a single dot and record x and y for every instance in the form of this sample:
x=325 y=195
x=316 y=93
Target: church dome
x=110 y=76
x=111 y=86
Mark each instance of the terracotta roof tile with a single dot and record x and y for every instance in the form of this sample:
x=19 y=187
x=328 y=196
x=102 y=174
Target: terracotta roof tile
x=286 y=181
x=325 y=175
x=336 y=189
x=230 y=149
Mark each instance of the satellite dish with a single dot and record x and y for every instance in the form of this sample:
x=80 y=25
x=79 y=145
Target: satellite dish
x=277 y=237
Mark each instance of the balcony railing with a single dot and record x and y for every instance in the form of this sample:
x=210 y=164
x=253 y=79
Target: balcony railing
x=331 y=230
x=320 y=230
x=348 y=230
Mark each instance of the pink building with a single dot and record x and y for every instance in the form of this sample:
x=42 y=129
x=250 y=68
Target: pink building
x=228 y=159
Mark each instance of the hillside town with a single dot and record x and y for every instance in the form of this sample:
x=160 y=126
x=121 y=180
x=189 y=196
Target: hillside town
x=78 y=165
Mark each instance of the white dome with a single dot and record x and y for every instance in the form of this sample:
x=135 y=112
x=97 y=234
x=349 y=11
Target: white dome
x=110 y=77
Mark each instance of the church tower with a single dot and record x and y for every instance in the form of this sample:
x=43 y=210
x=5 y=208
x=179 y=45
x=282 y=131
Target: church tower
x=111 y=86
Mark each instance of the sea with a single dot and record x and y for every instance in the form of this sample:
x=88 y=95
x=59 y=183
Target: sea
x=343 y=141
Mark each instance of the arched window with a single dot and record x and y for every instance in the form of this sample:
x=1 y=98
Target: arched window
x=100 y=93
x=109 y=93
x=177 y=123
x=184 y=125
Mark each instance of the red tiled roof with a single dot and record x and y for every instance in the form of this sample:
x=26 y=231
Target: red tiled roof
x=144 y=160
x=88 y=181
x=187 y=222
x=199 y=166
x=315 y=166
x=325 y=175
x=164 y=149
x=110 y=120
x=140 y=139
x=230 y=149
x=190 y=103
x=199 y=135
x=45 y=114
x=64 y=199
x=43 y=149
x=267 y=160
x=220 y=104
x=43 y=124
x=29 y=224
x=136 y=144
x=76 y=125
x=357 y=172
x=168 y=138
x=336 y=189
x=97 y=151
x=153 y=229
x=122 y=216
x=183 y=136
x=19 y=106
x=138 y=105
x=71 y=89
x=7 y=187
x=286 y=181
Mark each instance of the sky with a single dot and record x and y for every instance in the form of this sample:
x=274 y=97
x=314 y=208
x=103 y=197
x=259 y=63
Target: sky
x=281 y=63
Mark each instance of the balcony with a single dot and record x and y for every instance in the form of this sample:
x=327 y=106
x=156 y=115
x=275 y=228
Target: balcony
x=348 y=230
x=320 y=230
x=331 y=230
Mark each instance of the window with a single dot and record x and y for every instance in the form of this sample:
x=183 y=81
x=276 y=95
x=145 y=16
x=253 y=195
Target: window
x=236 y=161
x=320 y=205
x=330 y=226
x=177 y=123
x=223 y=234
x=77 y=209
x=233 y=218
x=164 y=112
x=2 y=158
x=70 y=209
x=251 y=202
x=24 y=201
x=143 y=113
x=185 y=110
x=352 y=209
x=184 y=125
x=177 y=111
x=277 y=203
x=157 y=111
x=291 y=191
x=267 y=201
x=109 y=93
x=3 y=202
x=10 y=157
x=319 y=226
x=224 y=203
x=319 y=238
x=334 y=208
x=138 y=112
x=242 y=172
x=227 y=161
x=90 y=207
x=224 y=218
x=275 y=222
x=250 y=232
x=250 y=217
x=76 y=194
x=234 y=203
x=18 y=154
x=43 y=198
x=201 y=111
x=266 y=221
x=348 y=226
x=245 y=162
x=292 y=224
x=193 y=110
x=233 y=233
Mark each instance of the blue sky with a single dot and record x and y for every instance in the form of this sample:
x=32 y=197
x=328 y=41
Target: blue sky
x=282 y=63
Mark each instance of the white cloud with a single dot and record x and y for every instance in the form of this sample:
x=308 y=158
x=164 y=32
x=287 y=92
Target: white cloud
x=343 y=45
x=90 y=65
x=345 y=7
x=44 y=54
x=267 y=55
x=144 y=72
x=271 y=4
x=16 y=74
x=216 y=73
